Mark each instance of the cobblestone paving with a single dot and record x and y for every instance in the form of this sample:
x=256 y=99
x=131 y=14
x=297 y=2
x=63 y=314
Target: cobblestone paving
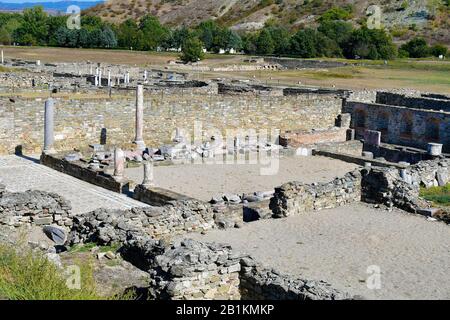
x=20 y=174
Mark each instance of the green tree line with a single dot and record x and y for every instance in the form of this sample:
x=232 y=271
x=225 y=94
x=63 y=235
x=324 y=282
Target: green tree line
x=334 y=37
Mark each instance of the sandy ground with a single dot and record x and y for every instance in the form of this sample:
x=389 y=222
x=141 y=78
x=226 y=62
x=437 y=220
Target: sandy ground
x=202 y=181
x=338 y=245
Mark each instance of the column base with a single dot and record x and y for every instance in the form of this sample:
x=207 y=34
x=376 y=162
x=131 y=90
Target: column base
x=49 y=151
x=140 y=144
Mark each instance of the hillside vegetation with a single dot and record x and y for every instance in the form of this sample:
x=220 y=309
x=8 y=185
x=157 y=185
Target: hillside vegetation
x=403 y=18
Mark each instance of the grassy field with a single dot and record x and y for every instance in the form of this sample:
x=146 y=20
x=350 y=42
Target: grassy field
x=421 y=74
x=438 y=195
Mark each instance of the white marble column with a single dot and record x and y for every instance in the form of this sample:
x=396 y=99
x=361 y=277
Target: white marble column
x=119 y=163
x=100 y=78
x=109 y=78
x=148 y=174
x=49 y=138
x=139 y=141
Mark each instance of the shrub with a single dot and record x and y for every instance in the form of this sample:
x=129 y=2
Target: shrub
x=416 y=48
x=439 y=49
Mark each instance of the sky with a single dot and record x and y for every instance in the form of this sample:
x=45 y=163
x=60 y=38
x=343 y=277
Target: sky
x=30 y=1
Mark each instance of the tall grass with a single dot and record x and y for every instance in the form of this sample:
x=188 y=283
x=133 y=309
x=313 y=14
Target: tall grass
x=28 y=275
x=439 y=195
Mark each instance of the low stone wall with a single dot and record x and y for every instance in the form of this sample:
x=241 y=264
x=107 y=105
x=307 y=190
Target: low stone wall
x=33 y=208
x=295 y=198
x=395 y=99
x=357 y=159
x=107 y=226
x=156 y=196
x=296 y=139
x=189 y=269
x=350 y=147
x=194 y=270
x=77 y=170
x=259 y=283
x=400 y=188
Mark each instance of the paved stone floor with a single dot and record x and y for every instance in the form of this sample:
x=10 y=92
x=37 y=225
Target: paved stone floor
x=21 y=174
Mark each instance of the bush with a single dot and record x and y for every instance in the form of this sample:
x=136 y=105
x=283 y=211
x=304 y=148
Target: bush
x=439 y=49
x=416 y=48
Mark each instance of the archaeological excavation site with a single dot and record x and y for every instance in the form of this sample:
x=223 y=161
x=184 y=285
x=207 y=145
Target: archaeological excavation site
x=177 y=183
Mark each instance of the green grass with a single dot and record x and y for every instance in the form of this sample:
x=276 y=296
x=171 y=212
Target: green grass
x=438 y=195
x=27 y=275
x=89 y=246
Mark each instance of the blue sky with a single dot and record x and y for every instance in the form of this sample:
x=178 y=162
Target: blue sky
x=25 y=1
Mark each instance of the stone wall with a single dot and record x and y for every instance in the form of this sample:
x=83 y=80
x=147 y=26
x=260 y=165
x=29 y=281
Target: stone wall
x=259 y=283
x=292 y=63
x=396 y=99
x=79 y=122
x=80 y=170
x=156 y=196
x=190 y=269
x=106 y=226
x=297 y=138
x=295 y=198
x=33 y=207
x=401 y=125
x=195 y=270
x=400 y=188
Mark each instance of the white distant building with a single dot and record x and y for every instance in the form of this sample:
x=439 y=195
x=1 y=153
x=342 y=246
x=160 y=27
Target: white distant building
x=221 y=51
x=441 y=57
x=232 y=51
x=204 y=50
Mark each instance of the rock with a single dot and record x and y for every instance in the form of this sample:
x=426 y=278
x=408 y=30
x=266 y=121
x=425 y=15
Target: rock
x=231 y=198
x=72 y=157
x=110 y=255
x=42 y=220
x=56 y=234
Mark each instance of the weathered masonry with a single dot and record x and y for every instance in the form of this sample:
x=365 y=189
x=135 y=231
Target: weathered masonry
x=402 y=120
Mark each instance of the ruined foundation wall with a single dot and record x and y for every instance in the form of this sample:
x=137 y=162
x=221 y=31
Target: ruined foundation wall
x=295 y=198
x=79 y=122
x=33 y=207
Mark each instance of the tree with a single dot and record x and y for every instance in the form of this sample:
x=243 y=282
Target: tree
x=127 y=34
x=153 y=33
x=107 y=38
x=280 y=37
x=207 y=31
x=265 y=43
x=416 y=48
x=303 y=43
x=370 y=44
x=34 y=29
x=340 y=31
x=8 y=29
x=192 y=50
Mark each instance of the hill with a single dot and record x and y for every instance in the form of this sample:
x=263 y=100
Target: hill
x=404 y=18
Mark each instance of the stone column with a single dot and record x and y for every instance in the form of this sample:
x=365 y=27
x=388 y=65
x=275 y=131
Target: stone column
x=100 y=78
x=128 y=77
x=145 y=74
x=3 y=61
x=139 y=141
x=119 y=163
x=109 y=78
x=49 y=138
x=148 y=174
